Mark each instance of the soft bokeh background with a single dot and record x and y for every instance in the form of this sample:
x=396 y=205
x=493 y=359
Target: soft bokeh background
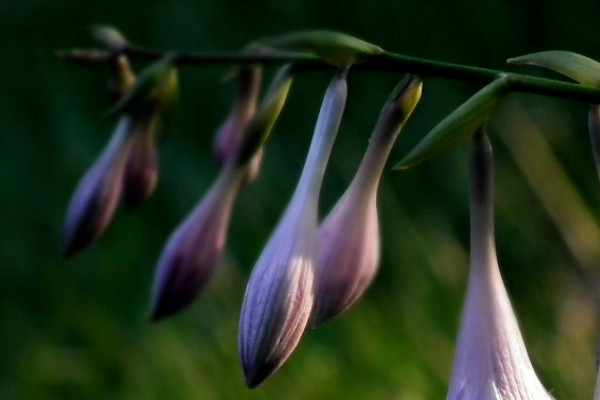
x=79 y=329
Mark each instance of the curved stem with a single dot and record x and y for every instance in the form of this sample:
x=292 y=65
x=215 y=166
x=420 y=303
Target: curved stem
x=388 y=61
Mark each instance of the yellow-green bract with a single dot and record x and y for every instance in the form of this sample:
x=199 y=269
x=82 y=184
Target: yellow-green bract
x=158 y=82
x=332 y=47
x=458 y=127
x=575 y=66
x=263 y=121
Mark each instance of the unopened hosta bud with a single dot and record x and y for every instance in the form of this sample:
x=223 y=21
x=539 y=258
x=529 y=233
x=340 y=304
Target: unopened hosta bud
x=193 y=250
x=229 y=135
x=349 y=236
x=141 y=171
x=594 y=128
x=491 y=362
x=279 y=295
x=95 y=200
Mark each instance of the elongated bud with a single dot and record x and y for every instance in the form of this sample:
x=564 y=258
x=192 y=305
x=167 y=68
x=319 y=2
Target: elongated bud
x=594 y=128
x=262 y=123
x=349 y=236
x=334 y=48
x=194 y=249
x=95 y=200
x=458 y=127
x=141 y=171
x=230 y=134
x=491 y=362
x=279 y=295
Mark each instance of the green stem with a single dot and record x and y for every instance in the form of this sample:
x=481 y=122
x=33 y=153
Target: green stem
x=387 y=61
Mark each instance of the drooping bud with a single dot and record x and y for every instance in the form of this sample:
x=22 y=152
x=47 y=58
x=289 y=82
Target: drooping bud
x=230 y=133
x=279 y=295
x=594 y=128
x=95 y=200
x=141 y=171
x=491 y=361
x=348 y=254
x=194 y=249
x=264 y=119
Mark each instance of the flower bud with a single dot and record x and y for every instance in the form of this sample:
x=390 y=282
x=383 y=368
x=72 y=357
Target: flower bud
x=594 y=128
x=141 y=171
x=261 y=124
x=348 y=254
x=194 y=249
x=229 y=135
x=491 y=361
x=95 y=200
x=279 y=295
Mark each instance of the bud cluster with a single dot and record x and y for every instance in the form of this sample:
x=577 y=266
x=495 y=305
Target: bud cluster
x=311 y=271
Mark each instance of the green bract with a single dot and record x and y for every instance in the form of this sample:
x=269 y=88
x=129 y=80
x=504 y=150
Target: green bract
x=149 y=88
x=266 y=116
x=109 y=36
x=575 y=66
x=332 y=47
x=458 y=127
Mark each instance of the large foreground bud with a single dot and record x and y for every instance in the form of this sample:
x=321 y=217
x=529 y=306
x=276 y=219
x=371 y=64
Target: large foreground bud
x=491 y=361
x=349 y=236
x=193 y=251
x=279 y=295
x=95 y=200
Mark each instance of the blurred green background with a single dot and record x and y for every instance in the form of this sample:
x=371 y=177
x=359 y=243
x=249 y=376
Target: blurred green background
x=78 y=329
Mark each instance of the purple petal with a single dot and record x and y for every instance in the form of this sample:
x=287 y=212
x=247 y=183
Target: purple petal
x=194 y=249
x=95 y=200
x=141 y=172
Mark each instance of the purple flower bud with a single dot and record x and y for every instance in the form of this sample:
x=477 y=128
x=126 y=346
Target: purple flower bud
x=491 y=362
x=194 y=249
x=349 y=237
x=95 y=200
x=594 y=128
x=279 y=295
x=230 y=134
x=141 y=172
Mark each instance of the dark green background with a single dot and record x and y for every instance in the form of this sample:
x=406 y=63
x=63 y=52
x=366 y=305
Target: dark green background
x=79 y=329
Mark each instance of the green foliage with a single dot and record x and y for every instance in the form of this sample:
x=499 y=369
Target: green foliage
x=458 y=127
x=575 y=66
